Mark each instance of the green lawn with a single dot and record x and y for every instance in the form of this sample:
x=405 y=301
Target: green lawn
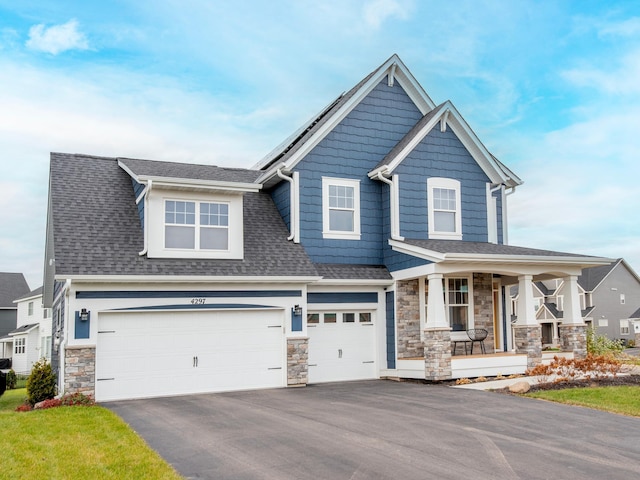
x=621 y=399
x=73 y=443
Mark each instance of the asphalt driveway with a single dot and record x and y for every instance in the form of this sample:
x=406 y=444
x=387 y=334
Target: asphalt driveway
x=383 y=429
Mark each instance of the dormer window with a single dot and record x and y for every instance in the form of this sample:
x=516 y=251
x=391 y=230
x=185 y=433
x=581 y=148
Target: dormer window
x=196 y=225
x=444 y=212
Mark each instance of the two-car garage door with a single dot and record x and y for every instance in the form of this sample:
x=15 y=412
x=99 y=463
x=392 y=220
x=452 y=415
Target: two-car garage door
x=159 y=353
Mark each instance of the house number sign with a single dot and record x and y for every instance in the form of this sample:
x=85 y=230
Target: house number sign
x=198 y=301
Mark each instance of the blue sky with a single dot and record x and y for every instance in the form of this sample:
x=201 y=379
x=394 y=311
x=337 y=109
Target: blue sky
x=551 y=87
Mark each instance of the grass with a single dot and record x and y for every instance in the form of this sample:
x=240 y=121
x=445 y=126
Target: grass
x=73 y=443
x=619 y=399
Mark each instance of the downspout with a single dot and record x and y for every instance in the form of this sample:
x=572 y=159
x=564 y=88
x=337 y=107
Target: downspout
x=505 y=224
x=492 y=214
x=292 y=203
x=64 y=338
x=145 y=194
x=394 y=212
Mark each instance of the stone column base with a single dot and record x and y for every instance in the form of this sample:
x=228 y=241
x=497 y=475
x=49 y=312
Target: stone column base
x=528 y=340
x=573 y=338
x=80 y=370
x=297 y=361
x=637 y=340
x=437 y=354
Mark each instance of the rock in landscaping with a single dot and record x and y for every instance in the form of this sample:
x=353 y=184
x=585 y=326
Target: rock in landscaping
x=520 y=387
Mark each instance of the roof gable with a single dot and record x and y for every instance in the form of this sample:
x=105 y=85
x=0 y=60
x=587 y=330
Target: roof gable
x=289 y=153
x=446 y=115
x=592 y=278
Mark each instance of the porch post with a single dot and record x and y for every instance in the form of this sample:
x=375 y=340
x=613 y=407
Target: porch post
x=527 y=330
x=573 y=331
x=437 y=333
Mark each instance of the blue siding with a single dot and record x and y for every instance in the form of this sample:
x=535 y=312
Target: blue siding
x=391 y=330
x=395 y=261
x=342 y=297
x=137 y=190
x=280 y=196
x=498 y=196
x=441 y=154
x=351 y=150
x=82 y=328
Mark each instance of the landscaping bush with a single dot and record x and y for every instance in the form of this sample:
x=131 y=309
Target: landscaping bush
x=11 y=379
x=602 y=345
x=41 y=384
x=77 y=399
x=565 y=370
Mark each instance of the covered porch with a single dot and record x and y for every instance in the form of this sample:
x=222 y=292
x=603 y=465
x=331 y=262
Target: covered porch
x=465 y=286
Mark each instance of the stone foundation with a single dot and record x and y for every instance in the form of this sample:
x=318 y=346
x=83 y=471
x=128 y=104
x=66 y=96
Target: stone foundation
x=573 y=338
x=297 y=361
x=528 y=340
x=437 y=354
x=637 y=340
x=80 y=370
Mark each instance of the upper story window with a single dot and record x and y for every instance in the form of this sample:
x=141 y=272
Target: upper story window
x=444 y=208
x=30 y=309
x=196 y=225
x=340 y=208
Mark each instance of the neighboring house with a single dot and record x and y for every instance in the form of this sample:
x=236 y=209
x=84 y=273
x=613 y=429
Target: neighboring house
x=12 y=286
x=326 y=261
x=609 y=300
x=32 y=336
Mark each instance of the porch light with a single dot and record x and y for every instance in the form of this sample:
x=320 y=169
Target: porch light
x=297 y=310
x=84 y=315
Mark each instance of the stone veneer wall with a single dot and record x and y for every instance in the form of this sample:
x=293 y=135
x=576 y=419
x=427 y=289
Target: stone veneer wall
x=408 y=319
x=80 y=370
x=297 y=361
x=573 y=338
x=437 y=357
x=483 y=306
x=529 y=340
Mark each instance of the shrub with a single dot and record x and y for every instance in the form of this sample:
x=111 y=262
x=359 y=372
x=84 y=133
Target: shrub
x=77 y=399
x=51 y=403
x=601 y=344
x=631 y=343
x=41 y=384
x=11 y=379
x=25 y=407
x=565 y=370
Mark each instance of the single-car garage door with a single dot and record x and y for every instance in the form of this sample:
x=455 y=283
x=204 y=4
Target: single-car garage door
x=160 y=353
x=341 y=346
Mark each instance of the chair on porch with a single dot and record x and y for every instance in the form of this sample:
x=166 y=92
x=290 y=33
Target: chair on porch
x=477 y=335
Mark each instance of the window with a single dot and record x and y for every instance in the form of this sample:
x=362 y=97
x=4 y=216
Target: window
x=313 y=318
x=348 y=317
x=444 y=212
x=330 y=318
x=622 y=299
x=30 y=308
x=603 y=322
x=19 y=345
x=45 y=351
x=196 y=225
x=340 y=208
x=624 y=327
x=365 y=317
x=457 y=301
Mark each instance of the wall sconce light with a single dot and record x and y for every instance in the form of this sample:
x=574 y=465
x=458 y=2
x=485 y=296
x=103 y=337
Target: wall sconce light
x=84 y=315
x=297 y=310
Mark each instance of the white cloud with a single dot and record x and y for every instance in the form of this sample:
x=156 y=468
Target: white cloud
x=57 y=39
x=377 y=11
x=621 y=80
x=626 y=28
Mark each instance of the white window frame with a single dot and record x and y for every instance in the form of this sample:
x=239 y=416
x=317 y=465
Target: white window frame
x=624 y=327
x=19 y=346
x=447 y=184
x=338 y=234
x=198 y=226
x=30 y=309
x=468 y=305
x=622 y=299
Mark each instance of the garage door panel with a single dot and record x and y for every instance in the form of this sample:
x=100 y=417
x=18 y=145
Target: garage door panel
x=147 y=354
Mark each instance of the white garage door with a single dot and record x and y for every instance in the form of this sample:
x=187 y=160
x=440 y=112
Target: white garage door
x=341 y=346
x=152 y=354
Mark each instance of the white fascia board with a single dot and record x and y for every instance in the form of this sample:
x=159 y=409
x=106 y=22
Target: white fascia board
x=418 y=252
x=406 y=81
x=25 y=299
x=188 y=279
x=350 y=282
x=526 y=259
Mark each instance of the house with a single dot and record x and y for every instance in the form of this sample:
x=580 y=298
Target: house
x=609 y=300
x=326 y=261
x=12 y=286
x=32 y=335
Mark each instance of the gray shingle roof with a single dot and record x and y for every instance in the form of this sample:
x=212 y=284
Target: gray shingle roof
x=23 y=329
x=32 y=293
x=353 y=272
x=591 y=277
x=12 y=286
x=456 y=246
x=635 y=314
x=97 y=229
x=151 y=168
